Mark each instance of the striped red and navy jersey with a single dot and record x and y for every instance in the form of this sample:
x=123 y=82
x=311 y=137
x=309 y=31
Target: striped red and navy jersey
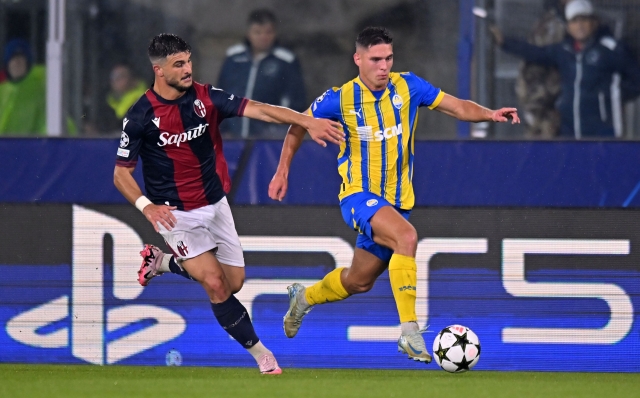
x=180 y=145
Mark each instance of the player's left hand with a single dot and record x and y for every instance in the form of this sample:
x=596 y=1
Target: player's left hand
x=503 y=115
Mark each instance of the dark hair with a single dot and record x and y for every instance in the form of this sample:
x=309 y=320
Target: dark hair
x=372 y=36
x=261 y=16
x=166 y=44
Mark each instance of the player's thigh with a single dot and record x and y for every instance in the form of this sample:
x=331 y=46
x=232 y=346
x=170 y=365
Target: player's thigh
x=229 y=253
x=365 y=268
x=223 y=229
x=190 y=237
x=391 y=227
x=373 y=216
x=357 y=210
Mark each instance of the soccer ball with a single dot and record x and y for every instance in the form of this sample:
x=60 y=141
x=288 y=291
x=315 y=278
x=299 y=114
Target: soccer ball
x=456 y=349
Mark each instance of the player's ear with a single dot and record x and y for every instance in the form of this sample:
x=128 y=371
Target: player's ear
x=356 y=58
x=157 y=70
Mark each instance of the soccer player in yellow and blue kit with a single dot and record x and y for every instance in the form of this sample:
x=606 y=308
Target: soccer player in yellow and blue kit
x=379 y=112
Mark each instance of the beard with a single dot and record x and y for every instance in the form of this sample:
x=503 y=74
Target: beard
x=179 y=86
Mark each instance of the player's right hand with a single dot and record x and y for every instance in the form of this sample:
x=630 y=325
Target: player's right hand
x=278 y=187
x=322 y=130
x=160 y=214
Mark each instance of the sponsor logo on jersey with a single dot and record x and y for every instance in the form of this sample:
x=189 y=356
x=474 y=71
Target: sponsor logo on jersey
x=124 y=140
x=156 y=121
x=356 y=112
x=366 y=133
x=397 y=101
x=171 y=139
x=372 y=202
x=123 y=152
x=199 y=109
x=124 y=122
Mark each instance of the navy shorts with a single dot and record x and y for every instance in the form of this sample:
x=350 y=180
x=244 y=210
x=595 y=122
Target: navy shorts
x=357 y=210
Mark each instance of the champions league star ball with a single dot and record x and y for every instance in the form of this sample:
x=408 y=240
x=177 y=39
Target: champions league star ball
x=456 y=349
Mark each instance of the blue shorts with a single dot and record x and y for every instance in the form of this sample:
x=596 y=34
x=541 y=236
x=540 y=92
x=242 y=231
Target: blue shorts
x=357 y=210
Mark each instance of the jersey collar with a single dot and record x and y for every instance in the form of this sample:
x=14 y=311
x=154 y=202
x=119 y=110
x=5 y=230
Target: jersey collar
x=376 y=94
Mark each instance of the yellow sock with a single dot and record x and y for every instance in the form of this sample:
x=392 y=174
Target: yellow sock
x=329 y=289
x=403 y=274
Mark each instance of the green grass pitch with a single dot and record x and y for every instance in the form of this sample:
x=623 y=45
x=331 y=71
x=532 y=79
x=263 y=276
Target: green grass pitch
x=66 y=381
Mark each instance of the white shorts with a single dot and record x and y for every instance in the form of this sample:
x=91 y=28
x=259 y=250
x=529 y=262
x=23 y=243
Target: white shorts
x=206 y=228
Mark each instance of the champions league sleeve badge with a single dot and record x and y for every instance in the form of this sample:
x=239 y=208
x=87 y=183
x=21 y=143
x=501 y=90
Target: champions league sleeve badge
x=124 y=140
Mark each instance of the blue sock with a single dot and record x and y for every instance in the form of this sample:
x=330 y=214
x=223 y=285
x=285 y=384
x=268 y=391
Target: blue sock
x=178 y=270
x=233 y=318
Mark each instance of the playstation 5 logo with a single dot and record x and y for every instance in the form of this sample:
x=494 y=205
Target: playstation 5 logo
x=84 y=308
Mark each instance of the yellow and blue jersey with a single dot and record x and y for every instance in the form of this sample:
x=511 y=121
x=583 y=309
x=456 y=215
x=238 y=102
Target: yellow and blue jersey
x=377 y=155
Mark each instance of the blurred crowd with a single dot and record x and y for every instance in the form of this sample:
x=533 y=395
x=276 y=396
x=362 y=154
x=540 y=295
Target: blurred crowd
x=575 y=77
x=574 y=80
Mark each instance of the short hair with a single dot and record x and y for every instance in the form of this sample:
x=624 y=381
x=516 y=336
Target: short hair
x=261 y=16
x=166 y=44
x=372 y=36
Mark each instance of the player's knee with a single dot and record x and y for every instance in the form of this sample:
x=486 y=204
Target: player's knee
x=215 y=283
x=359 y=287
x=408 y=239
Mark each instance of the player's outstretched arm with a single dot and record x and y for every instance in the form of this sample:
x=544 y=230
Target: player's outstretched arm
x=279 y=182
x=469 y=111
x=320 y=130
x=128 y=187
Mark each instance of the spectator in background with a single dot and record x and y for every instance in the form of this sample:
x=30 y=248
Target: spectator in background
x=23 y=108
x=538 y=85
x=590 y=63
x=125 y=91
x=260 y=70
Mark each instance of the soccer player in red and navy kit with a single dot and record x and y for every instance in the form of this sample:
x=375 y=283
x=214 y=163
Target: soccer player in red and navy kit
x=173 y=128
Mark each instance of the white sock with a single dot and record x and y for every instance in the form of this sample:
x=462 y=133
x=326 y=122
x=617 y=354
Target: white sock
x=164 y=264
x=409 y=327
x=257 y=350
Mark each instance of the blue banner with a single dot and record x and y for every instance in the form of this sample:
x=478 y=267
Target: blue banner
x=175 y=314
x=544 y=290
x=447 y=173
x=54 y=170
x=470 y=173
